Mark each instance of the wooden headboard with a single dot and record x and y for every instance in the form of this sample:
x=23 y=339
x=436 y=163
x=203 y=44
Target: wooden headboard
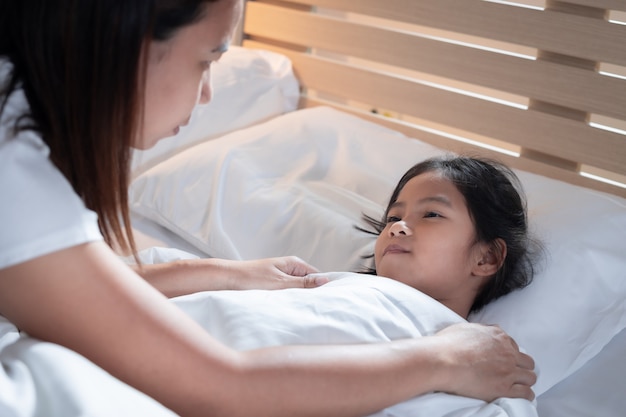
x=541 y=85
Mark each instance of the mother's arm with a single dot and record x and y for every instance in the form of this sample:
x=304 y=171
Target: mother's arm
x=88 y=300
x=187 y=276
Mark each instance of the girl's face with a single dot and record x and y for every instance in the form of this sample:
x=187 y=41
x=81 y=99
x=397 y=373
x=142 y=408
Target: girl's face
x=429 y=243
x=178 y=73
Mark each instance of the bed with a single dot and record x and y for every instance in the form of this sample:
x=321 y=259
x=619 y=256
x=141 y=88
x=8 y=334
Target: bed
x=318 y=108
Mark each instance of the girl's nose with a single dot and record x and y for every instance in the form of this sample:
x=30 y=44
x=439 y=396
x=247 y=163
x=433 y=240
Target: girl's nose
x=400 y=228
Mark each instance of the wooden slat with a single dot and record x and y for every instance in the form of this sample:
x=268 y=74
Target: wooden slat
x=443 y=142
x=542 y=132
x=583 y=37
x=541 y=80
x=601 y=4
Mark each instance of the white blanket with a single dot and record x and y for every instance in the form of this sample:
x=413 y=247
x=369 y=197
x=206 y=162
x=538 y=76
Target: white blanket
x=43 y=379
x=351 y=308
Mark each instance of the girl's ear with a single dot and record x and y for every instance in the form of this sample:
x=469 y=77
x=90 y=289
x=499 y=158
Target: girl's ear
x=491 y=258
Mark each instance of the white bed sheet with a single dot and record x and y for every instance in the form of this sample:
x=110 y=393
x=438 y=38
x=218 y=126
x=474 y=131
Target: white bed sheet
x=596 y=390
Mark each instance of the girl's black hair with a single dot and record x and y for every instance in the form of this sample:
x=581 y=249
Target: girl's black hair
x=497 y=206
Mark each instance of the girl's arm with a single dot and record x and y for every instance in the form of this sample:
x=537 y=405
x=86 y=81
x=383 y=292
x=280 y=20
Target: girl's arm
x=88 y=300
x=187 y=276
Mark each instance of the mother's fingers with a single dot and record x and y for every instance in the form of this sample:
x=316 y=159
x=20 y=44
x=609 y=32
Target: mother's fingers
x=522 y=391
x=311 y=281
x=526 y=377
x=525 y=361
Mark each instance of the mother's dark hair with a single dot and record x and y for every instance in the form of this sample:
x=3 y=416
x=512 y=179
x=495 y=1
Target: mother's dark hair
x=81 y=64
x=496 y=204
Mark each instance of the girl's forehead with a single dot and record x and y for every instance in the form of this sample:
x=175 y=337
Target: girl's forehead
x=428 y=182
x=430 y=186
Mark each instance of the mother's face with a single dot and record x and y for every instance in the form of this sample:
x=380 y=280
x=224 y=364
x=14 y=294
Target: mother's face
x=178 y=73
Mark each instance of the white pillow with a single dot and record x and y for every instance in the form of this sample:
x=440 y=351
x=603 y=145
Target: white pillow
x=299 y=183
x=249 y=86
x=295 y=185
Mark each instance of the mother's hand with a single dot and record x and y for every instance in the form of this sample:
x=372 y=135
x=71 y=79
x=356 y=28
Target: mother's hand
x=486 y=363
x=273 y=273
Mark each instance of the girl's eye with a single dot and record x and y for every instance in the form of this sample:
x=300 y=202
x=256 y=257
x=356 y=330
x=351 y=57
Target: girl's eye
x=431 y=214
x=393 y=219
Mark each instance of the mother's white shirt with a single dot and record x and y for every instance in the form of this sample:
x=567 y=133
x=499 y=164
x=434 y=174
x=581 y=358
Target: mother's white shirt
x=40 y=213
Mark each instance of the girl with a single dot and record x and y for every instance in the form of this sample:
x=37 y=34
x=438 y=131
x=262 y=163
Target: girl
x=81 y=82
x=456 y=229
